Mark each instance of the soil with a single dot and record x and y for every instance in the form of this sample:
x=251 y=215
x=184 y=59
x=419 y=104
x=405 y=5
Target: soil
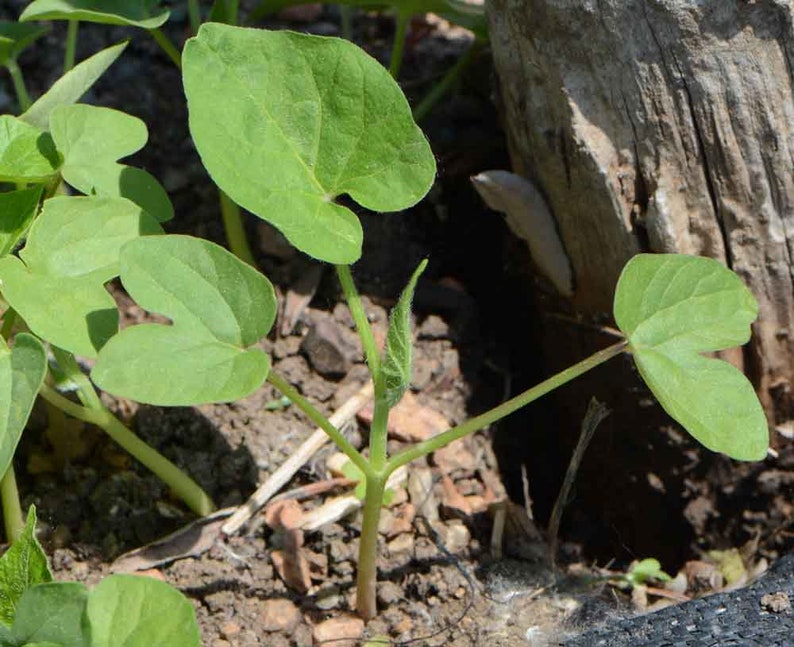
x=644 y=489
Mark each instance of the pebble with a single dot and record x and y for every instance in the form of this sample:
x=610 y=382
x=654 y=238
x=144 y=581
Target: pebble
x=338 y=629
x=324 y=348
x=279 y=614
x=420 y=491
x=401 y=544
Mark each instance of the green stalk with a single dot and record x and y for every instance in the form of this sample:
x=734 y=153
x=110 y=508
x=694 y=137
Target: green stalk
x=399 y=43
x=378 y=434
x=12 y=511
x=362 y=323
x=445 y=84
x=322 y=422
x=23 y=98
x=504 y=409
x=366 y=578
x=347 y=21
x=195 y=15
x=167 y=46
x=71 y=45
x=185 y=487
x=235 y=231
x=233 y=7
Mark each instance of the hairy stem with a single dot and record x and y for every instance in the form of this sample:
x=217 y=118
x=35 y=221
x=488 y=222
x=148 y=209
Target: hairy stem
x=366 y=600
x=504 y=409
x=362 y=323
x=13 y=518
x=322 y=422
x=167 y=46
x=195 y=15
x=441 y=88
x=235 y=232
x=23 y=98
x=401 y=29
x=184 y=486
x=378 y=434
x=71 y=45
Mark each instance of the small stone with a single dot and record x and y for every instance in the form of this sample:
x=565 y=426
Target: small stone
x=453 y=503
x=455 y=456
x=456 y=537
x=279 y=614
x=410 y=421
x=230 y=630
x=778 y=602
x=324 y=348
x=389 y=593
x=401 y=544
x=344 y=631
x=433 y=327
x=420 y=490
x=401 y=521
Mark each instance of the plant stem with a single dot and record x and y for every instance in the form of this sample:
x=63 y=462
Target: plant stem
x=12 y=511
x=167 y=46
x=378 y=434
x=71 y=45
x=402 y=20
x=233 y=7
x=23 y=98
x=445 y=84
x=347 y=21
x=184 y=486
x=235 y=232
x=322 y=422
x=362 y=323
x=72 y=371
x=504 y=409
x=366 y=579
x=195 y=15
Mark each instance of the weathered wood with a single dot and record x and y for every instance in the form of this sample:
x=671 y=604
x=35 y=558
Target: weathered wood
x=662 y=125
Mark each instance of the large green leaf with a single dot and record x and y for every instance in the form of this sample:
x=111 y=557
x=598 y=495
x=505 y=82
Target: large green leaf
x=134 y=611
x=26 y=153
x=673 y=308
x=53 y=613
x=22 y=566
x=397 y=362
x=17 y=209
x=71 y=86
x=16 y=37
x=134 y=13
x=220 y=307
x=91 y=139
x=72 y=250
x=303 y=120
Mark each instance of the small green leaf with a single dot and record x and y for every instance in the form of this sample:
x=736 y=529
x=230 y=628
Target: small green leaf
x=133 y=13
x=26 y=153
x=91 y=139
x=16 y=38
x=71 y=86
x=644 y=570
x=22 y=371
x=134 y=611
x=18 y=209
x=53 y=613
x=22 y=566
x=72 y=250
x=397 y=360
x=672 y=308
x=304 y=120
x=220 y=307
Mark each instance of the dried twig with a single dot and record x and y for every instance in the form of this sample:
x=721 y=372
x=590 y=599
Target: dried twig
x=283 y=474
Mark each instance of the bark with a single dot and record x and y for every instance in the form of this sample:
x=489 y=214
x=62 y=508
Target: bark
x=662 y=125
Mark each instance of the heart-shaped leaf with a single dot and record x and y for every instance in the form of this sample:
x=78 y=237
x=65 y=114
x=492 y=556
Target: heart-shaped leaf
x=52 y=613
x=672 y=308
x=16 y=37
x=134 y=611
x=71 y=86
x=26 y=153
x=91 y=139
x=18 y=209
x=72 y=250
x=134 y=13
x=303 y=120
x=220 y=308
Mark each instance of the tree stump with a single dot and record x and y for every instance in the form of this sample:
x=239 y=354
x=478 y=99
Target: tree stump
x=663 y=126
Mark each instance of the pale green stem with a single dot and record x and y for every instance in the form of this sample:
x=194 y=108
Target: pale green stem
x=378 y=434
x=347 y=21
x=195 y=15
x=234 y=8
x=399 y=43
x=167 y=46
x=504 y=409
x=71 y=45
x=322 y=422
x=366 y=579
x=71 y=369
x=23 y=98
x=13 y=518
x=362 y=323
x=235 y=231
x=445 y=84
x=185 y=487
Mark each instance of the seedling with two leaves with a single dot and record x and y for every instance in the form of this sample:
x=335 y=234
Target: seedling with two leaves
x=285 y=124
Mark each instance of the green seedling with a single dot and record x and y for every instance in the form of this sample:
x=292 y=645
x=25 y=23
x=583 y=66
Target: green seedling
x=285 y=125
x=121 y=610
x=643 y=571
